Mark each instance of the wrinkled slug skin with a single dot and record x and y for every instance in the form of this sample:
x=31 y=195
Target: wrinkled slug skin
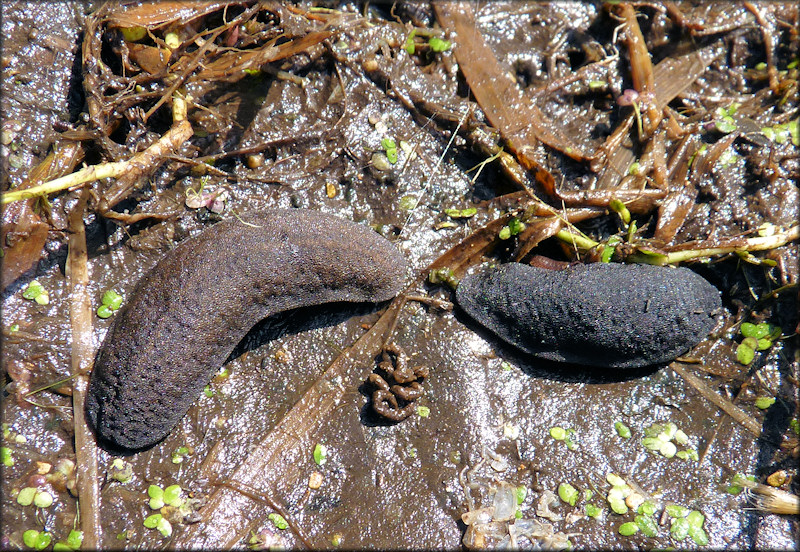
x=611 y=315
x=187 y=314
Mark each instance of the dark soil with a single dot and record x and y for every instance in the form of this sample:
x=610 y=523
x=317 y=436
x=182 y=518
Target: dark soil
x=308 y=130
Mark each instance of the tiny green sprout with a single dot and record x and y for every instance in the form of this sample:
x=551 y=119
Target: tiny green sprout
x=461 y=213
x=679 y=529
x=597 y=84
x=26 y=496
x=336 y=539
x=619 y=207
x=688 y=454
x=156 y=495
x=736 y=487
x=794 y=424
x=443 y=275
x=609 y=248
x=728 y=157
x=516 y=226
x=794 y=131
x=61 y=547
x=627 y=529
x=763 y=344
x=647 y=508
x=320 y=454
x=760 y=66
x=13 y=328
x=409 y=45
x=43 y=499
x=622 y=430
x=423 y=411
x=438 y=44
x=278 y=521
x=587 y=494
x=592 y=511
x=745 y=354
x=172 y=40
x=521 y=492
x=680 y=437
x=408 y=203
x=179 y=454
x=558 y=433
x=505 y=365
x=518 y=513
x=568 y=493
x=764 y=403
x=505 y=233
x=569 y=439
x=5 y=457
x=390 y=148
x=634 y=169
x=651 y=443
x=208 y=391
x=647 y=525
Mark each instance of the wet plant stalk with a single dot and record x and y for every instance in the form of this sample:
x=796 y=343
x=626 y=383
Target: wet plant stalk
x=82 y=354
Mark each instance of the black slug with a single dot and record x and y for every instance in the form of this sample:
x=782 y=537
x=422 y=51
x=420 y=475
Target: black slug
x=188 y=313
x=611 y=315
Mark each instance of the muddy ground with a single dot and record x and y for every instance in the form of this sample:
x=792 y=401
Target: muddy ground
x=305 y=125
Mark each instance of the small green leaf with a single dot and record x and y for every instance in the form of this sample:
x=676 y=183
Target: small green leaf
x=764 y=402
x=515 y=226
x=696 y=518
x=752 y=330
x=172 y=496
x=647 y=525
x=652 y=443
x=408 y=203
x=62 y=547
x=320 y=454
x=423 y=411
x=592 y=511
x=26 y=496
x=112 y=299
x=409 y=45
x=5 y=457
x=764 y=344
x=647 y=508
x=679 y=529
x=668 y=449
x=438 y=44
x=745 y=354
x=568 y=493
x=278 y=521
x=618 y=506
x=725 y=125
x=75 y=539
x=152 y=520
x=43 y=499
x=558 y=433
x=521 y=492
x=104 y=312
x=29 y=537
x=164 y=527
x=461 y=213
x=698 y=535
x=677 y=511
x=622 y=430
x=628 y=529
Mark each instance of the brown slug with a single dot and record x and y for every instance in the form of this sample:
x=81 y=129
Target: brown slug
x=188 y=313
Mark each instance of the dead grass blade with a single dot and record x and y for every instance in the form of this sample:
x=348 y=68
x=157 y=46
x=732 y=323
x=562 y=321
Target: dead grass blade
x=739 y=415
x=82 y=359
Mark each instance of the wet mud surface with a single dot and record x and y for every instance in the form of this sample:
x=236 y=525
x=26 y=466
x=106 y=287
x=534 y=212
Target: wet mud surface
x=288 y=426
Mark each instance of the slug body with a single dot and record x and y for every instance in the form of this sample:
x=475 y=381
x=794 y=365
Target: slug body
x=610 y=315
x=188 y=313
